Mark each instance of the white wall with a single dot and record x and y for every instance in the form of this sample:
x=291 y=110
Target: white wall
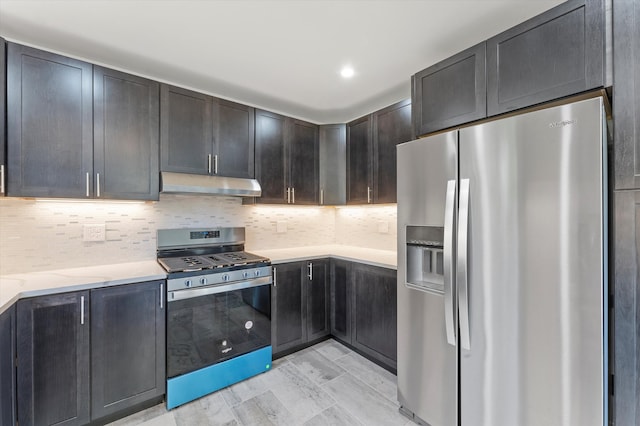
x=45 y=235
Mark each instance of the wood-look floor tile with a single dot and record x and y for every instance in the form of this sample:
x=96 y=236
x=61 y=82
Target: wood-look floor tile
x=316 y=367
x=332 y=349
x=141 y=416
x=364 y=403
x=246 y=389
x=303 y=398
x=370 y=373
x=334 y=416
x=207 y=411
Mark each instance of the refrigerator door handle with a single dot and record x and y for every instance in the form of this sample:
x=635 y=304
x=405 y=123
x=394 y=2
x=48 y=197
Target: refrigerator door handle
x=449 y=300
x=462 y=264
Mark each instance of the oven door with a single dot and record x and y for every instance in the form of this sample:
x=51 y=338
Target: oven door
x=208 y=325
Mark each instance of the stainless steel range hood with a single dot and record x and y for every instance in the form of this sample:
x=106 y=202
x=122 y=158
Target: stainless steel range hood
x=184 y=183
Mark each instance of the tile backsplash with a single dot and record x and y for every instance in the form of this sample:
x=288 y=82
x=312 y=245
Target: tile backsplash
x=45 y=235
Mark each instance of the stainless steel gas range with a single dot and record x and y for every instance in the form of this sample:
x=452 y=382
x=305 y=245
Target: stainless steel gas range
x=218 y=311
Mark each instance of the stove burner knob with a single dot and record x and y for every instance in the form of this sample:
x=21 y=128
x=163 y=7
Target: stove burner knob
x=257 y=272
x=245 y=274
x=203 y=281
x=187 y=283
x=225 y=277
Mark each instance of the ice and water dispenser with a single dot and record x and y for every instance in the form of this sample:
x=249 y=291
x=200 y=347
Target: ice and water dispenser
x=425 y=257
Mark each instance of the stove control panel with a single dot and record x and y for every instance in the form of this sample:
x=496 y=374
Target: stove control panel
x=228 y=277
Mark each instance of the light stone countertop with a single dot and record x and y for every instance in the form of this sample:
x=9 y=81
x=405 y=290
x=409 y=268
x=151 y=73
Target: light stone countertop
x=382 y=258
x=18 y=286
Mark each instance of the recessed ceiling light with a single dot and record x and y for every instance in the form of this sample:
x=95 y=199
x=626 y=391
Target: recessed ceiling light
x=347 y=72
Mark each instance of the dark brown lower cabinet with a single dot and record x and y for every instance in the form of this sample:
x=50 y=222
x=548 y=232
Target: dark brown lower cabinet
x=288 y=329
x=85 y=355
x=7 y=367
x=341 y=300
x=127 y=346
x=625 y=315
x=375 y=312
x=318 y=298
x=299 y=305
x=53 y=359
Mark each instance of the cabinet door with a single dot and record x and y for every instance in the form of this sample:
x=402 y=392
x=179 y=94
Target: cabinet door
x=49 y=124
x=318 y=299
x=375 y=313
x=270 y=157
x=127 y=346
x=288 y=306
x=341 y=300
x=53 y=359
x=234 y=139
x=626 y=93
x=626 y=314
x=186 y=126
x=332 y=164
x=303 y=162
x=126 y=136
x=555 y=54
x=451 y=92
x=3 y=125
x=7 y=367
x=392 y=125
x=359 y=161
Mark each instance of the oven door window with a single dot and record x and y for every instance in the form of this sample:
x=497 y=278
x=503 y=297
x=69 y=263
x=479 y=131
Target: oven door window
x=205 y=330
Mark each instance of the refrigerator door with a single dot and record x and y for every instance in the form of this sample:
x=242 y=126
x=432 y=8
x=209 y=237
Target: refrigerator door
x=427 y=364
x=532 y=296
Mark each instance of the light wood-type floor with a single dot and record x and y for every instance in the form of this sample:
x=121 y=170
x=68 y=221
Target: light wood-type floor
x=326 y=384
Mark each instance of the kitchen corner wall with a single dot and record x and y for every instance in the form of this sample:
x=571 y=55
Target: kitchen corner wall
x=46 y=235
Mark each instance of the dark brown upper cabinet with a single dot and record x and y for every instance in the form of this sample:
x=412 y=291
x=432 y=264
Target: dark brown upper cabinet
x=3 y=114
x=558 y=53
x=234 y=139
x=186 y=130
x=49 y=124
x=391 y=126
x=286 y=159
x=204 y=135
x=79 y=131
x=332 y=164
x=626 y=93
x=451 y=92
x=371 y=153
x=126 y=112
x=359 y=158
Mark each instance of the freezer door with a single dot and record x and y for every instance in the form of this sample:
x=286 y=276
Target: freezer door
x=532 y=278
x=427 y=364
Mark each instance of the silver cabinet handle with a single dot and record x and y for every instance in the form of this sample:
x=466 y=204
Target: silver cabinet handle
x=161 y=295
x=462 y=274
x=368 y=195
x=288 y=195
x=209 y=163
x=98 y=185
x=215 y=164
x=81 y=310
x=449 y=300
x=293 y=195
x=275 y=277
x=310 y=274
x=322 y=197
x=1 y=178
x=87 y=184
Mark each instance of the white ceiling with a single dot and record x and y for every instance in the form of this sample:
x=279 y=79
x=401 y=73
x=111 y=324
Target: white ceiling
x=284 y=55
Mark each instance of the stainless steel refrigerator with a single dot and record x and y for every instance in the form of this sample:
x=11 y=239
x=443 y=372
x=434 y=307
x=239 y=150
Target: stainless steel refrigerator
x=502 y=283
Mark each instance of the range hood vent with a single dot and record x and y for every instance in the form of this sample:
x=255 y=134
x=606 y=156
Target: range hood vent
x=184 y=183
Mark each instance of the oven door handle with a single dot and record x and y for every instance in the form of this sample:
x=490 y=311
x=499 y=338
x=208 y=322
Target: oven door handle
x=205 y=291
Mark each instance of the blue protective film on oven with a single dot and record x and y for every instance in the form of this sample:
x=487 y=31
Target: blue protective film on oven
x=190 y=386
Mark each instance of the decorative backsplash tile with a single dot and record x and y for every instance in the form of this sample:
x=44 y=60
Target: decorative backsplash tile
x=45 y=235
